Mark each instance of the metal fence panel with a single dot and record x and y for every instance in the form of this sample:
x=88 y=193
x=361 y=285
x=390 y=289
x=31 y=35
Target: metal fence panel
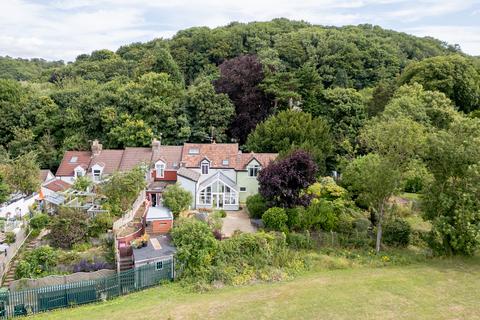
x=19 y=303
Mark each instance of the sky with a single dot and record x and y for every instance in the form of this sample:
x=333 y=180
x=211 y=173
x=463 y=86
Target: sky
x=61 y=30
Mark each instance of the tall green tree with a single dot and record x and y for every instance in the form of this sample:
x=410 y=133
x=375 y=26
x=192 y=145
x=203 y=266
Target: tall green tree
x=454 y=75
x=23 y=174
x=374 y=179
x=4 y=189
x=451 y=202
x=209 y=113
x=289 y=130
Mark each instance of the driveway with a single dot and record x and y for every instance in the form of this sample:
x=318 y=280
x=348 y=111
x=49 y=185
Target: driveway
x=237 y=220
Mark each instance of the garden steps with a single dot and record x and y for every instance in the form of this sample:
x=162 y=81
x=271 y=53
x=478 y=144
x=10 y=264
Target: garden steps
x=32 y=244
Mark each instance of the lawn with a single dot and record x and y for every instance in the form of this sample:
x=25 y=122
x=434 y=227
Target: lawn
x=438 y=289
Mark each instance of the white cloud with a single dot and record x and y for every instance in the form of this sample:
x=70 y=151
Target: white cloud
x=62 y=29
x=467 y=37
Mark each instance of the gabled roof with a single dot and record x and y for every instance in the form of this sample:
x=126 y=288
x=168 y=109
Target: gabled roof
x=171 y=155
x=44 y=173
x=132 y=157
x=71 y=160
x=264 y=159
x=215 y=152
x=58 y=185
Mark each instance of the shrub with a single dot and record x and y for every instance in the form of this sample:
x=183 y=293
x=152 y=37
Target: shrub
x=81 y=247
x=10 y=237
x=320 y=215
x=256 y=206
x=295 y=216
x=100 y=224
x=300 y=240
x=70 y=226
x=85 y=266
x=222 y=213
x=397 y=233
x=176 y=199
x=195 y=244
x=361 y=224
x=275 y=219
x=37 y=262
x=39 y=221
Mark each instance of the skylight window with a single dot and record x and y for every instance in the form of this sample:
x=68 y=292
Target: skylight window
x=225 y=162
x=193 y=151
x=73 y=159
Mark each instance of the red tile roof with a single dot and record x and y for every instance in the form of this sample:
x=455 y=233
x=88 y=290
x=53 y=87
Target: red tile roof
x=109 y=159
x=220 y=155
x=68 y=164
x=263 y=158
x=134 y=156
x=172 y=155
x=58 y=185
x=216 y=153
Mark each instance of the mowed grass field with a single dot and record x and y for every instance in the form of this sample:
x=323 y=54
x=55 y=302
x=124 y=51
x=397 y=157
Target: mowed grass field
x=438 y=289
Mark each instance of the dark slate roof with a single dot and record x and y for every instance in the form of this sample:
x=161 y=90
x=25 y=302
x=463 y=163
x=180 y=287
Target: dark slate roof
x=189 y=174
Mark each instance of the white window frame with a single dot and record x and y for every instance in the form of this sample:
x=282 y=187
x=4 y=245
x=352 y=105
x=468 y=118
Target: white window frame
x=205 y=164
x=156 y=265
x=253 y=170
x=160 y=169
x=78 y=172
x=225 y=162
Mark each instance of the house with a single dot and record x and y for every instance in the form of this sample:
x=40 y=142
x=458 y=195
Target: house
x=218 y=175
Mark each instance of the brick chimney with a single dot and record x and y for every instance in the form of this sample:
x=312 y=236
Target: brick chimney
x=96 y=148
x=156 y=148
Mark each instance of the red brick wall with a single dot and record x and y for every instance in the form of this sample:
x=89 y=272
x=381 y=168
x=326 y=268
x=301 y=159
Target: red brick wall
x=167 y=176
x=161 y=226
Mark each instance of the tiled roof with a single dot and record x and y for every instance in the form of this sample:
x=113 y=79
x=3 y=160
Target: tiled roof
x=264 y=159
x=109 y=159
x=135 y=156
x=216 y=153
x=58 y=185
x=71 y=160
x=172 y=155
x=220 y=155
x=44 y=175
x=189 y=174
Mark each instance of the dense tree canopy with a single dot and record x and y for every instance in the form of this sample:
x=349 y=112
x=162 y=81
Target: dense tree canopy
x=454 y=75
x=289 y=130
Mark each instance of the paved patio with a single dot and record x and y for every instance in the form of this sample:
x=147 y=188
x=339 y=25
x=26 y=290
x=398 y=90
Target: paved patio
x=237 y=220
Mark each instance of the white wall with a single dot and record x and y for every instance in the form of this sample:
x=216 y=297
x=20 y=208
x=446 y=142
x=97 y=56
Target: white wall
x=190 y=186
x=22 y=204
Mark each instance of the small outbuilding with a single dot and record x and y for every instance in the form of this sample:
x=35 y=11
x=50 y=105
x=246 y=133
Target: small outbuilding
x=159 y=220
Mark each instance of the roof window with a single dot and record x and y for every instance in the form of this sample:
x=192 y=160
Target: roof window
x=225 y=162
x=73 y=159
x=193 y=151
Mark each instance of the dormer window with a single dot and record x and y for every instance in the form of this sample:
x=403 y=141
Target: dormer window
x=225 y=162
x=97 y=171
x=253 y=170
x=193 y=151
x=205 y=166
x=79 y=172
x=160 y=169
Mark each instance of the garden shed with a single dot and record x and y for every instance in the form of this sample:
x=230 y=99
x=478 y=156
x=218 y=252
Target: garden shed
x=159 y=220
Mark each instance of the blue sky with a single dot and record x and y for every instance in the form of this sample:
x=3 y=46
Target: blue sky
x=60 y=29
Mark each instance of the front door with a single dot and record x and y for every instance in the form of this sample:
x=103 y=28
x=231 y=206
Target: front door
x=217 y=200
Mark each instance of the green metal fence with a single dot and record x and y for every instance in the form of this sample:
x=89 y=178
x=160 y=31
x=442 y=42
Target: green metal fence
x=19 y=303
